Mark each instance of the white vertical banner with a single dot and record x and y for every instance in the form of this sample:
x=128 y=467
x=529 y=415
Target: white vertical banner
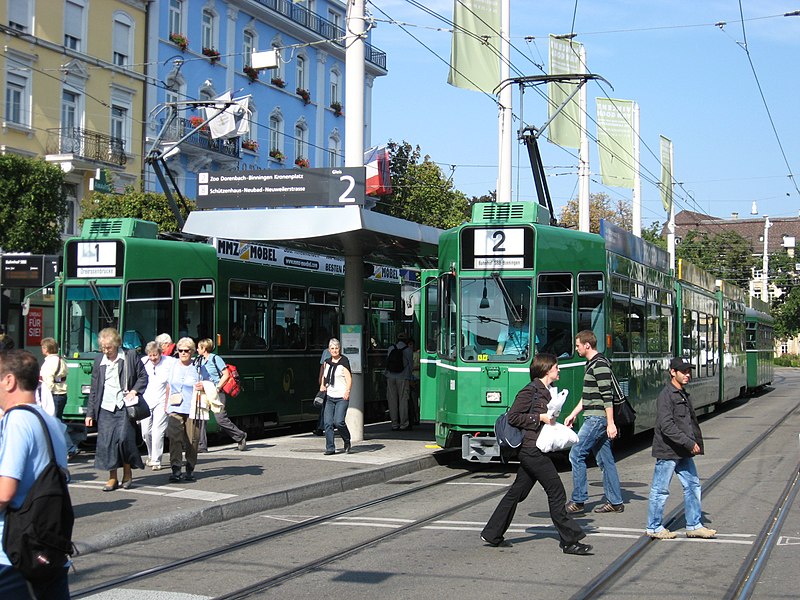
x=475 y=47
x=666 y=174
x=615 y=141
x=564 y=129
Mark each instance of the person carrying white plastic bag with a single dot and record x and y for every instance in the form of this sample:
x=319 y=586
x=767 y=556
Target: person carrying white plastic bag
x=558 y=436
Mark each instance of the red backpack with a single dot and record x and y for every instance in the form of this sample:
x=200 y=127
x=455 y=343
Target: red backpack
x=232 y=387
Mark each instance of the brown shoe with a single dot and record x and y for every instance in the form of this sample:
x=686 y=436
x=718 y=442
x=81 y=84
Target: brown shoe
x=609 y=508
x=574 y=507
x=702 y=532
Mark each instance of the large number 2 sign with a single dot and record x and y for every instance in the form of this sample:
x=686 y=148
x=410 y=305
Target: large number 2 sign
x=351 y=184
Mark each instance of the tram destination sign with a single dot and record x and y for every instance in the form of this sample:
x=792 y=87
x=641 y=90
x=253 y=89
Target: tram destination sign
x=281 y=187
x=497 y=248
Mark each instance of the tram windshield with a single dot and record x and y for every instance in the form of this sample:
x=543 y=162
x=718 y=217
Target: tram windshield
x=88 y=310
x=495 y=319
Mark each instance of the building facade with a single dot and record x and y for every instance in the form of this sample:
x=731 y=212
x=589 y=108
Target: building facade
x=200 y=49
x=75 y=88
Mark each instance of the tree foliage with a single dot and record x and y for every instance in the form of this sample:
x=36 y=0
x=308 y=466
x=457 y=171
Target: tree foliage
x=32 y=205
x=149 y=206
x=420 y=191
x=787 y=315
x=726 y=255
x=600 y=207
x=652 y=234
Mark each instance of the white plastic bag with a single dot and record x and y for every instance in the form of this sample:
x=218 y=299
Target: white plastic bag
x=553 y=438
x=44 y=398
x=558 y=399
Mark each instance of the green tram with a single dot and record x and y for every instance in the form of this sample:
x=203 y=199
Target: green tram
x=509 y=284
x=760 y=345
x=270 y=311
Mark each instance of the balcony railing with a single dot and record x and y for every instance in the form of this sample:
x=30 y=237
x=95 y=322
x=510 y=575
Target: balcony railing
x=201 y=139
x=311 y=20
x=86 y=144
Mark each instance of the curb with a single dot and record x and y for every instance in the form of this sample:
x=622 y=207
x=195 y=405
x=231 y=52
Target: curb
x=175 y=522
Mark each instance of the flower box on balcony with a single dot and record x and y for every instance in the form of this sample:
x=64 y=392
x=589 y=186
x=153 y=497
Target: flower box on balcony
x=337 y=108
x=196 y=122
x=180 y=40
x=277 y=81
x=304 y=94
x=302 y=162
x=212 y=54
x=251 y=73
x=276 y=154
x=251 y=145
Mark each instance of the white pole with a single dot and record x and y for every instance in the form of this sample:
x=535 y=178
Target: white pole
x=354 y=85
x=765 y=262
x=671 y=223
x=583 y=155
x=505 y=124
x=636 y=199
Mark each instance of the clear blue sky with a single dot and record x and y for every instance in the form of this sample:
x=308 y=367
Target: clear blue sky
x=691 y=78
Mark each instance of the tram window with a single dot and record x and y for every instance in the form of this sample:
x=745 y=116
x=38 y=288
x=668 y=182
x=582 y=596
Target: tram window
x=196 y=309
x=383 y=321
x=289 y=325
x=687 y=339
x=449 y=316
x=247 y=316
x=87 y=312
x=751 y=336
x=620 y=286
x=495 y=320
x=665 y=324
x=554 y=306
x=590 y=306
x=432 y=330
x=636 y=322
x=323 y=317
x=653 y=329
x=702 y=344
x=620 y=341
x=148 y=312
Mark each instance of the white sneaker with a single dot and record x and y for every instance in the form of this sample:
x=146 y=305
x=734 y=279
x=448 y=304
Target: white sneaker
x=701 y=532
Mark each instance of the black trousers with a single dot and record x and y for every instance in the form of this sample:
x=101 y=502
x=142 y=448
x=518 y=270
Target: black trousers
x=534 y=466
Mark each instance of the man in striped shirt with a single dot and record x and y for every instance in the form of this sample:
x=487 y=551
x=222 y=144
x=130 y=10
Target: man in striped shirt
x=597 y=431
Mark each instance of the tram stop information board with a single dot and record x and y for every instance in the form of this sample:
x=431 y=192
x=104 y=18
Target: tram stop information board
x=281 y=187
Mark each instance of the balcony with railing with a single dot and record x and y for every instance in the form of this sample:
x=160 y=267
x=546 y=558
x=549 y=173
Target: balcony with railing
x=328 y=30
x=200 y=142
x=90 y=146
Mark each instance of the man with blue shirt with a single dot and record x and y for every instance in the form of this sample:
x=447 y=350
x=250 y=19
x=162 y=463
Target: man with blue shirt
x=213 y=369
x=23 y=456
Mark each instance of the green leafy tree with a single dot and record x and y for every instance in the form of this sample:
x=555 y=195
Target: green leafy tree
x=600 y=207
x=149 y=206
x=727 y=255
x=420 y=191
x=782 y=273
x=652 y=234
x=787 y=315
x=32 y=205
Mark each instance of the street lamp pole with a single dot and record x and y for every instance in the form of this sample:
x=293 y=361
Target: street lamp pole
x=765 y=262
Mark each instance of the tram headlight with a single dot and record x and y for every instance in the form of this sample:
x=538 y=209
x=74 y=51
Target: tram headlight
x=494 y=397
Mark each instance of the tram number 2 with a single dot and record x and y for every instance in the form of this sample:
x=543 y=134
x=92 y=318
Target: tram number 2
x=345 y=197
x=499 y=238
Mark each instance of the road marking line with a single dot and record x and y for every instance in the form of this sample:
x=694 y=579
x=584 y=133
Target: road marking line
x=352 y=524
x=376 y=519
x=478 y=483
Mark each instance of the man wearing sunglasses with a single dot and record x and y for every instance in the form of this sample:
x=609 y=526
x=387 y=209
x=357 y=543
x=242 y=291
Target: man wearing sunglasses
x=676 y=440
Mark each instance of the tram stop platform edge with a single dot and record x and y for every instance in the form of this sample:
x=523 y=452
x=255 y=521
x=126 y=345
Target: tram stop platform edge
x=273 y=472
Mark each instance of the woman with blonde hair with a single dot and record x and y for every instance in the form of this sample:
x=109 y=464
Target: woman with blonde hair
x=183 y=430
x=118 y=376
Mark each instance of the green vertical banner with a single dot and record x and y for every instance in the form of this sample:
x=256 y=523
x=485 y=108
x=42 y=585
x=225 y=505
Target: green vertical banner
x=565 y=128
x=475 y=48
x=615 y=141
x=666 y=173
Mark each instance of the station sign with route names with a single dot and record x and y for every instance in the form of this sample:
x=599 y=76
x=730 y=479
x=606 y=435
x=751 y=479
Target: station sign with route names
x=263 y=188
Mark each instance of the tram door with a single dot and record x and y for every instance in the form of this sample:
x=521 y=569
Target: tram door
x=430 y=329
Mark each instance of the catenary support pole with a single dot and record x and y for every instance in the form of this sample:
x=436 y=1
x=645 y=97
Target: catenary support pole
x=505 y=126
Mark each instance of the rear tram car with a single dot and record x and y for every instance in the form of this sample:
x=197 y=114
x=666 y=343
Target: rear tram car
x=509 y=284
x=270 y=311
x=760 y=345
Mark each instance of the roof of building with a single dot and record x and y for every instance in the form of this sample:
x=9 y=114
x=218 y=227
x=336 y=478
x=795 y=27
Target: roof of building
x=783 y=231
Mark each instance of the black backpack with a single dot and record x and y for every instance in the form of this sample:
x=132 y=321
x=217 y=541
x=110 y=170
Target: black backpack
x=395 y=362
x=38 y=535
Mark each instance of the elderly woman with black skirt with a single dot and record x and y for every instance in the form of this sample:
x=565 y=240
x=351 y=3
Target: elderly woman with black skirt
x=529 y=413
x=183 y=425
x=117 y=376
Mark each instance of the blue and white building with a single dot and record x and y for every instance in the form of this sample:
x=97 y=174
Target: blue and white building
x=199 y=49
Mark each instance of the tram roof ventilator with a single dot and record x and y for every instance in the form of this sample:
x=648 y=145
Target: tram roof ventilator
x=114 y=228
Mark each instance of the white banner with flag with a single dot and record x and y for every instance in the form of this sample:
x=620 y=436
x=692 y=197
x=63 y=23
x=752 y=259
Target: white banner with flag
x=666 y=174
x=565 y=129
x=615 y=141
x=475 y=48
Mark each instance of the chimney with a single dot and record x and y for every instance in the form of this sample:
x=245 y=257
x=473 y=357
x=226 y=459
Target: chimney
x=734 y=215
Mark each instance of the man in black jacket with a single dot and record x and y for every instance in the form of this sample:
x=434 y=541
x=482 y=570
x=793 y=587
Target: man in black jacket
x=676 y=440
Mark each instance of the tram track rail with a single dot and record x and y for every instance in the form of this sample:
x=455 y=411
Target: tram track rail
x=761 y=546
x=116 y=582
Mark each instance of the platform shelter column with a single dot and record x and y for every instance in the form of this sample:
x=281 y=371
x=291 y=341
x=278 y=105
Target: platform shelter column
x=354 y=315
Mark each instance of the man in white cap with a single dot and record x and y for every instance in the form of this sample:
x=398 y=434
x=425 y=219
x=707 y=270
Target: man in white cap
x=676 y=440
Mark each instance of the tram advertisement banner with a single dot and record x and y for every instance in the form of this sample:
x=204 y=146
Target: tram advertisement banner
x=351 y=345
x=281 y=187
x=33 y=326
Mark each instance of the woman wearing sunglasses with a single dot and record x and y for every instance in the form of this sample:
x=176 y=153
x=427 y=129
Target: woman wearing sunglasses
x=183 y=432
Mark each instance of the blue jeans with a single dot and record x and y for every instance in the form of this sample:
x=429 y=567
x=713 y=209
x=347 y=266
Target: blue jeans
x=13 y=586
x=659 y=492
x=335 y=411
x=592 y=437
